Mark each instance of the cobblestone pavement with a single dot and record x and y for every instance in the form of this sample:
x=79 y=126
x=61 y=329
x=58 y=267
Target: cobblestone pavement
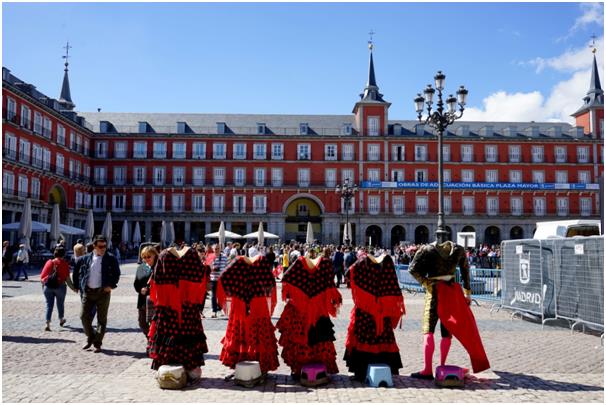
x=529 y=364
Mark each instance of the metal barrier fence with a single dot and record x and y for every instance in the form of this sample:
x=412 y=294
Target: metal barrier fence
x=555 y=279
x=485 y=283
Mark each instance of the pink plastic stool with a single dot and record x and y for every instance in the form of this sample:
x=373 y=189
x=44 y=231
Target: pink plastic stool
x=314 y=374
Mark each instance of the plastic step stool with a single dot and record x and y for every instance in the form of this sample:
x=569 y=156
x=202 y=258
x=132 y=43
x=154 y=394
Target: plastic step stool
x=379 y=375
x=314 y=374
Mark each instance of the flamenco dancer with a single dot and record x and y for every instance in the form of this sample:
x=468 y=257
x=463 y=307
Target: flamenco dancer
x=378 y=306
x=306 y=331
x=434 y=267
x=177 y=288
x=247 y=292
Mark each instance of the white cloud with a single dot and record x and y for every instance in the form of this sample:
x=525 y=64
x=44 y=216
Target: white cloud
x=503 y=106
x=593 y=13
x=569 y=61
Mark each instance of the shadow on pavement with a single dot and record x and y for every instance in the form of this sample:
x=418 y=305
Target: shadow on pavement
x=136 y=355
x=11 y=286
x=514 y=381
x=29 y=339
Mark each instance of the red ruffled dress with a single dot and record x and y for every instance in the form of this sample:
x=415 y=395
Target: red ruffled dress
x=177 y=288
x=247 y=291
x=306 y=331
x=378 y=307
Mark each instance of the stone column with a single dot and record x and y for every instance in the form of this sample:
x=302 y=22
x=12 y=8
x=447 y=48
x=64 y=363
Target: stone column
x=148 y=229
x=187 y=231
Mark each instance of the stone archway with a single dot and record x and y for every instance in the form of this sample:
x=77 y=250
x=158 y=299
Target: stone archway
x=492 y=235
x=468 y=228
x=421 y=234
x=398 y=234
x=300 y=210
x=374 y=236
x=57 y=195
x=516 y=233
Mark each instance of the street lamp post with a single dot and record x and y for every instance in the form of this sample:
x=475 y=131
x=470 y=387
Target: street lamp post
x=346 y=192
x=440 y=120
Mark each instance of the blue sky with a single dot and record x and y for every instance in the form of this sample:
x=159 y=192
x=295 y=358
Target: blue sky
x=520 y=61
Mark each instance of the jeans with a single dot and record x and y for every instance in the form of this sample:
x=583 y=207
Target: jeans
x=98 y=299
x=213 y=297
x=50 y=294
x=21 y=267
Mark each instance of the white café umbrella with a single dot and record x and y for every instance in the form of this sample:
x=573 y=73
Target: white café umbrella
x=346 y=233
x=36 y=226
x=137 y=234
x=232 y=235
x=55 y=233
x=349 y=232
x=222 y=235
x=107 y=229
x=261 y=234
x=125 y=232
x=89 y=227
x=309 y=239
x=25 y=225
x=255 y=235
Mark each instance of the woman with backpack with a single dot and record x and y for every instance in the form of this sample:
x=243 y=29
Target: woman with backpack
x=53 y=277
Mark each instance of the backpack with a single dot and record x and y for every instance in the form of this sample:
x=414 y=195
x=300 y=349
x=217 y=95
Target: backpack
x=53 y=280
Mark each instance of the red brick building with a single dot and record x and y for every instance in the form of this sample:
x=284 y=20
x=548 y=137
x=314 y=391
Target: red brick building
x=199 y=169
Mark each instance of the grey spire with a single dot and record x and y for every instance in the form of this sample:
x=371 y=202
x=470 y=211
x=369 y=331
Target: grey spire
x=65 y=99
x=371 y=92
x=595 y=95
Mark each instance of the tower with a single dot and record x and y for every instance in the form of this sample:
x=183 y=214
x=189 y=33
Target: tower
x=65 y=99
x=591 y=115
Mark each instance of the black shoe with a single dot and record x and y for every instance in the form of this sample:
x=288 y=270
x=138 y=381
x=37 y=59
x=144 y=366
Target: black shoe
x=422 y=376
x=87 y=346
x=97 y=349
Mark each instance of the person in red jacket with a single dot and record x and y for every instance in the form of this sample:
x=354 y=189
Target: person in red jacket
x=58 y=290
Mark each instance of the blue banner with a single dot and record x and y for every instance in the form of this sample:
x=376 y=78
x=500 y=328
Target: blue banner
x=477 y=186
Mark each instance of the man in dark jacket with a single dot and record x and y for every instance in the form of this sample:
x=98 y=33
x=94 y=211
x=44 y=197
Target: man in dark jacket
x=95 y=275
x=337 y=262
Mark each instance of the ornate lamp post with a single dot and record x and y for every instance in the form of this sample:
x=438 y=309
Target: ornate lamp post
x=440 y=120
x=346 y=192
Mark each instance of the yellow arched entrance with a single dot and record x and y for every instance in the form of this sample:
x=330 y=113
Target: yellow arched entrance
x=299 y=212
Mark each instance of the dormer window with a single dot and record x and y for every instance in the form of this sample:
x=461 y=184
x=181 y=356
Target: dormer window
x=181 y=127
x=143 y=126
x=104 y=127
x=260 y=129
x=220 y=127
x=303 y=128
x=346 y=129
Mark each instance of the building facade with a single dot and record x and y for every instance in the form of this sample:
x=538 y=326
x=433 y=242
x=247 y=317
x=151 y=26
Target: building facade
x=197 y=170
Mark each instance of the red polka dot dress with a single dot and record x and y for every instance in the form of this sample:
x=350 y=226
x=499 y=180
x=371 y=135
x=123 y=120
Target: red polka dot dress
x=177 y=288
x=378 y=307
x=247 y=291
x=306 y=331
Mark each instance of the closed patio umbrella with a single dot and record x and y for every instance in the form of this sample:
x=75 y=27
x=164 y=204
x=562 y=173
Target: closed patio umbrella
x=309 y=239
x=261 y=234
x=171 y=233
x=125 y=232
x=222 y=235
x=89 y=227
x=108 y=229
x=25 y=225
x=137 y=234
x=164 y=234
x=55 y=232
x=346 y=235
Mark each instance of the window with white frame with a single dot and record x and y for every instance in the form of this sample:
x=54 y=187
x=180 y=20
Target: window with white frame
x=467 y=153
x=239 y=176
x=47 y=129
x=11 y=109
x=158 y=202
x=398 y=153
x=119 y=202
x=348 y=151
x=373 y=152
x=516 y=205
x=86 y=144
x=561 y=176
x=538 y=153
x=219 y=176
x=138 y=202
x=159 y=150
x=101 y=149
x=199 y=176
x=346 y=129
x=239 y=151
x=468 y=205
x=538 y=176
x=140 y=150
x=8 y=182
x=72 y=168
x=88 y=200
x=467 y=175
x=77 y=167
x=197 y=203
x=584 y=177
x=60 y=134
x=37 y=122
x=492 y=176
x=491 y=153
x=351 y=206
x=397 y=175
x=583 y=154
x=303 y=128
x=277 y=151
x=218 y=203
x=259 y=204
x=421 y=175
x=303 y=177
x=99 y=202
x=447 y=205
x=178 y=176
x=422 y=205
x=23 y=184
x=46 y=158
x=198 y=150
x=515 y=176
x=420 y=153
x=35 y=188
x=139 y=178
x=159 y=176
x=397 y=204
x=446 y=176
x=562 y=206
x=79 y=199
x=219 y=151
x=304 y=151
x=259 y=177
x=585 y=203
x=260 y=151
x=446 y=153
x=179 y=150
x=514 y=154
x=373 y=126
x=239 y=204
x=86 y=171
x=10 y=145
x=374 y=204
x=374 y=175
x=330 y=152
x=561 y=153
x=178 y=202
x=37 y=155
x=79 y=143
x=100 y=175
x=330 y=177
x=492 y=206
x=276 y=177
x=260 y=128
x=119 y=175
x=26 y=117
x=24 y=151
x=538 y=204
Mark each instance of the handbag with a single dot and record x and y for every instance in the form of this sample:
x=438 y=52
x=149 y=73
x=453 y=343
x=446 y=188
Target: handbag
x=52 y=280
